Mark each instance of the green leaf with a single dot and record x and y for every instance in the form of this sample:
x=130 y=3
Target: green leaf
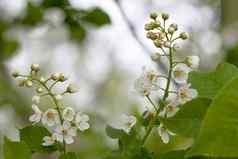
x=173 y=155
x=114 y=133
x=208 y=84
x=8 y=48
x=55 y=3
x=77 y=32
x=34 y=15
x=218 y=136
x=187 y=121
x=97 y=17
x=232 y=55
x=33 y=137
x=13 y=150
x=69 y=155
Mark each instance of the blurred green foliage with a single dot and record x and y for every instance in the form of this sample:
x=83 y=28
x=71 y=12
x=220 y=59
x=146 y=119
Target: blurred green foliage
x=232 y=55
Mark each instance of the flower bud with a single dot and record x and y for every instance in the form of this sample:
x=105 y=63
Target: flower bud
x=15 y=74
x=55 y=76
x=39 y=90
x=151 y=35
x=71 y=89
x=22 y=83
x=171 y=30
x=148 y=27
x=35 y=67
x=167 y=44
x=155 y=57
x=42 y=79
x=62 y=77
x=158 y=43
x=184 y=36
x=29 y=83
x=165 y=16
x=175 y=26
x=153 y=15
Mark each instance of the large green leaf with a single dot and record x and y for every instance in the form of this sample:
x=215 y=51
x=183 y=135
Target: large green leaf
x=218 y=136
x=13 y=150
x=187 y=121
x=33 y=135
x=208 y=84
x=69 y=155
x=97 y=17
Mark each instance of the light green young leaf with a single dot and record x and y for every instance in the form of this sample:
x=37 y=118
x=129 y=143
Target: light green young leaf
x=69 y=155
x=13 y=150
x=33 y=137
x=187 y=121
x=208 y=84
x=218 y=136
x=114 y=133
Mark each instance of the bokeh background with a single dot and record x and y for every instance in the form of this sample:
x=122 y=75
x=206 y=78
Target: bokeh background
x=101 y=46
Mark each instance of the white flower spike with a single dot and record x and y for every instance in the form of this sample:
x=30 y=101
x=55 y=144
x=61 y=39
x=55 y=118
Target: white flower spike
x=180 y=73
x=68 y=114
x=192 y=61
x=50 y=117
x=147 y=82
x=170 y=109
x=165 y=134
x=65 y=133
x=49 y=140
x=36 y=117
x=36 y=99
x=185 y=93
x=128 y=122
x=81 y=121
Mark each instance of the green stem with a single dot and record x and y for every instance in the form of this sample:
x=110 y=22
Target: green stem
x=56 y=104
x=166 y=94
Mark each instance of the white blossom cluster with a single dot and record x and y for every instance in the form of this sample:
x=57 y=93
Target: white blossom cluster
x=163 y=38
x=63 y=122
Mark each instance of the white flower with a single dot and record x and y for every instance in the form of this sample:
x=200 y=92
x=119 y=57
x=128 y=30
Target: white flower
x=185 y=93
x=50 y=117
x=147 y=82
x=81 y=121
x=164 y=133
x=36 y=99
x=192 y=61
x=65 y=133
x=170 y=109
x=128 y=121
x=68 y=114
x=180 y=73
x=36 y=117
x=58 y=97
x=49 y=140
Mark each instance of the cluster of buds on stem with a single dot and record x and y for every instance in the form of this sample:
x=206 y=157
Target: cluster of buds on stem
x=63 y=122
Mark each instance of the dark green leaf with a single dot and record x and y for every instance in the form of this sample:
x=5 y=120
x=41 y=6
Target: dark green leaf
x=218 y=136
x=114 y=133
x=15 y=150
x=187 y=121
x=34 y=15
x=173 y=155
x=33 y=136
x=55 y=3
x=208 y=84
x=97 y=17
x=77 y=32
x=69 y=155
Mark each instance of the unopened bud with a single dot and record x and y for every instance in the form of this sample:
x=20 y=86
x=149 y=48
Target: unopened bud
x=148 y=27
x=15 y=74
x=158 y=43
x=165 y=16
x=167 y=44
x=171 y=30
x=55 y=76
x=184 y=36
x=151 y=35
x=29 y=83
x=42 y=79
x=71 y=88
x=22 y=83
x=153 y=15
x=175 y=26
x=39 y=90
x=62 y=77
x=155 y=57
x=35 y=67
